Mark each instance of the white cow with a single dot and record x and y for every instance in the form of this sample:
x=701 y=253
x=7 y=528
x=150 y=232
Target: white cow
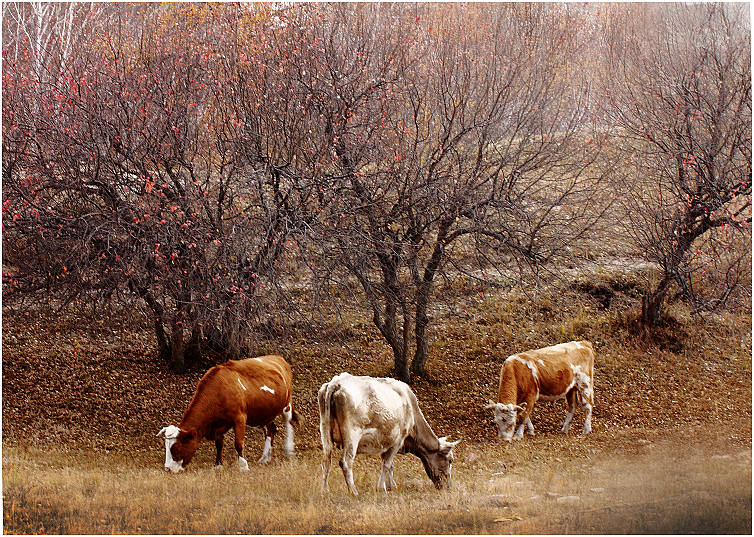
x=378 y=416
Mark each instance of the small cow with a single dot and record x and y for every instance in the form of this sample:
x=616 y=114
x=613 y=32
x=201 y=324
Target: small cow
x=564 y=371
x=237 y=394
x=378 y=416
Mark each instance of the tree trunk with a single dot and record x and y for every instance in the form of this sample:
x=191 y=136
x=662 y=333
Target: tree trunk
x=652 y=303
x=185 y=353
x=419 y=363
x=423 y=294
x=177 y=349
x=401 y=371
x=163 y=342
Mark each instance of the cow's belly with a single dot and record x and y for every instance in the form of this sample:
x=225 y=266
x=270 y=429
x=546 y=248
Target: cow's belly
x=553 y=397
x=373 y=442
x=261 y=417
x=557 y=390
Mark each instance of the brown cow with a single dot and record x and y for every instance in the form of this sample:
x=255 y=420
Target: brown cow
x=237 y=394
x=564 y=371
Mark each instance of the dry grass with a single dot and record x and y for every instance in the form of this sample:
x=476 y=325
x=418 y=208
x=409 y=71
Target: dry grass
x=547 y=485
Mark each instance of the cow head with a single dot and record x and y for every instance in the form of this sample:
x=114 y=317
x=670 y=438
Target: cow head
x=180 y=446
x=439 y=464
x=505 y=418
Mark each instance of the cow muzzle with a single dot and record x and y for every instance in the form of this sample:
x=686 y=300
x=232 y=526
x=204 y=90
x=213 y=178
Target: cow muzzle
x=174 y=467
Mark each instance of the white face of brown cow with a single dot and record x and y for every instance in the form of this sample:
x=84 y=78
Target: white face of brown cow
x=505 y=419
x=171 y=433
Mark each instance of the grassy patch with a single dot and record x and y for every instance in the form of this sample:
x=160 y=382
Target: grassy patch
x=549 y=484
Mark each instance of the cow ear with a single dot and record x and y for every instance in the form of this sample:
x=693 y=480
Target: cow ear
x=446 y=446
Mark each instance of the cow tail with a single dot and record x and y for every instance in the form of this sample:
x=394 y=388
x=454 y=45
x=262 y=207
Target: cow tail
x=591 y=370
x=326 y=415
x=295 y=416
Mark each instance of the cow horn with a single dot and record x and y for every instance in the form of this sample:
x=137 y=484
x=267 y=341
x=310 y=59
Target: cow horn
x=162 y=431
x=490 y=404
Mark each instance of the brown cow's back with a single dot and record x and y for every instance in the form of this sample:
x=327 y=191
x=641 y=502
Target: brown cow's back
x=257 y=387
x=548 y=371
x=554 y=364
x=262 y=384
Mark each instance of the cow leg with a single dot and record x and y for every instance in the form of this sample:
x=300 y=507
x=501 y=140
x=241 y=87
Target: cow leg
x=586 y=393
x=386 y=475
x=219 y=450
x=350 y=445
x=571 y=402
x=327 y=453
x=288 y=417
x=525 y=418
x=239 y=429
x=529 y=426
x=270 y=430
x=390 y=481
x=587 y=419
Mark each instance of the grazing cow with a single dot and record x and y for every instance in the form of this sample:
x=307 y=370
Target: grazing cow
x=237 y=394
x=564 y=371
x=378 y=416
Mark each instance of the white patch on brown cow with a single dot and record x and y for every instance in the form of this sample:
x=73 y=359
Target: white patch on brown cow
x=582 y=379
x=267 y=389
x=527 y=363
x=241 y=383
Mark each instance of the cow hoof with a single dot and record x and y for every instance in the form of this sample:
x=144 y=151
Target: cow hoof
x=243 y=465
x=217 y=467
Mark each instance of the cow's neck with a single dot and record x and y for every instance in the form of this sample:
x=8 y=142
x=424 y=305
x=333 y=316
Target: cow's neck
x=193 y=418
x=508 y=392
x=421 y=441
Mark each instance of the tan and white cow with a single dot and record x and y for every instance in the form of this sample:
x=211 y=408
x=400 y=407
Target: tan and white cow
x=378 y=416
x=564 y=371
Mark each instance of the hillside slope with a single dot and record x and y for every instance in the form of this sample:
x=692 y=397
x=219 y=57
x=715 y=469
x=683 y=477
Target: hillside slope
x=69 y=381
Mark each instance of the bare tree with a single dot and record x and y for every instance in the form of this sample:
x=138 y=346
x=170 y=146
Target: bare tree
x=679 y=95
x=128 y=184
x=445 y=125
